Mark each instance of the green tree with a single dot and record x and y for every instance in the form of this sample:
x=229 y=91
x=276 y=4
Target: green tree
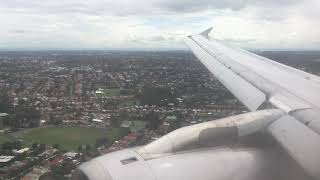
x=156 y=96
x=153 y=120
x=12 y=145
x=56 y=146
x=34 y=146
x=42 y=147
x=88 y=148
x=25 y=115
x=58 y=172
x=80 y=148
x=102 y=141
x=5 y=103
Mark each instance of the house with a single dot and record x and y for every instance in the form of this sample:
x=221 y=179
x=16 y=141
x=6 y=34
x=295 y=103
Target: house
x=126 y=124
x=21 y=151
x=97 y=120
x=5 y=159
x=71 y=155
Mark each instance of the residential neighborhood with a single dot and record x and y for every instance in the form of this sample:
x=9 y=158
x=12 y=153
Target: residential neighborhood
x=59 y=109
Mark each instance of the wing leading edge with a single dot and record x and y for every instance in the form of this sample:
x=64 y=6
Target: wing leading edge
x=248 y=94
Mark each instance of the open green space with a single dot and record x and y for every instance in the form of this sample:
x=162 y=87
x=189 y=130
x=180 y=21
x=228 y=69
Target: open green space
x=4 y=138
x=69 y=138
x=128 y=103
x=111 y=92
x=138 y=125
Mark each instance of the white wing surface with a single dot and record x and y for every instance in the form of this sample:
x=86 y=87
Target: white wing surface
x=278 y=82
x=259 y=83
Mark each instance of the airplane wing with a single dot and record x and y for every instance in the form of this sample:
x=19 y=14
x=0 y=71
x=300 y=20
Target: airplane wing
x=284 y=104
x=261 y=83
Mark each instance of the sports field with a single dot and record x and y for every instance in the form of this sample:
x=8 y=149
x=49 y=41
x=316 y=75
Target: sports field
x=112 y=92
x=69 y=138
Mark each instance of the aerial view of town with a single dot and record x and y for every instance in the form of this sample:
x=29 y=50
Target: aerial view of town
x=59 y=109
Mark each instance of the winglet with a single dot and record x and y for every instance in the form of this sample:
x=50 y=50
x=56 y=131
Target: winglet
x=206 y=33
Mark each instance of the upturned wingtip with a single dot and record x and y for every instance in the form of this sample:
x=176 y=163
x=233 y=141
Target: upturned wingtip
x=206 y=32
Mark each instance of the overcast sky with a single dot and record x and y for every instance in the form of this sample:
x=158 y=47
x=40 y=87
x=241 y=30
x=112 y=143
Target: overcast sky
x=101 y=24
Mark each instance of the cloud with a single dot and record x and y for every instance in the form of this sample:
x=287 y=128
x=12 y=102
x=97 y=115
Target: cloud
x=136 y=7
x=200 y=5
x=157 y=23
x=19 y=31
x=231 y=40
x=157 y=38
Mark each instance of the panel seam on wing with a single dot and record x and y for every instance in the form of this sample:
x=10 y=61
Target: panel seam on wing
x=302 y=103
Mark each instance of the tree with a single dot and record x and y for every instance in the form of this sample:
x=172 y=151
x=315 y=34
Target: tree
x=156 y=96
x=46 y=177
x=34 y=145
x=58 y=172
x=102 y=142
x=80 y=148
x=88 y=148
x=35 y=148
x=68 y=165
x=56 y=146
x=12 y=145
x=153 y=120
x=25 y=116
x=115 y=122
x=5 y=103
x=42 y=147
x=124 y=115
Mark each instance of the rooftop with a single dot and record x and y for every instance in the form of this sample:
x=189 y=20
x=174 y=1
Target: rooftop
x=3 y=114
x=4 y=159
x=97 y=120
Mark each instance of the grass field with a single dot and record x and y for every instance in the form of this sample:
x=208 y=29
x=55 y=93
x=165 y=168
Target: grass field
x=4 y=139
x=112 y=92
x=128 y=103
x=138 y=125
x=69 y=138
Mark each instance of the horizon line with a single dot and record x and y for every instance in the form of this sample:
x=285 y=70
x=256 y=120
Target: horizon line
x=141 y=49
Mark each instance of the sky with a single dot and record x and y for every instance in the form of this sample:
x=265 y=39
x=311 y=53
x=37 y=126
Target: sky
x=157 y=24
